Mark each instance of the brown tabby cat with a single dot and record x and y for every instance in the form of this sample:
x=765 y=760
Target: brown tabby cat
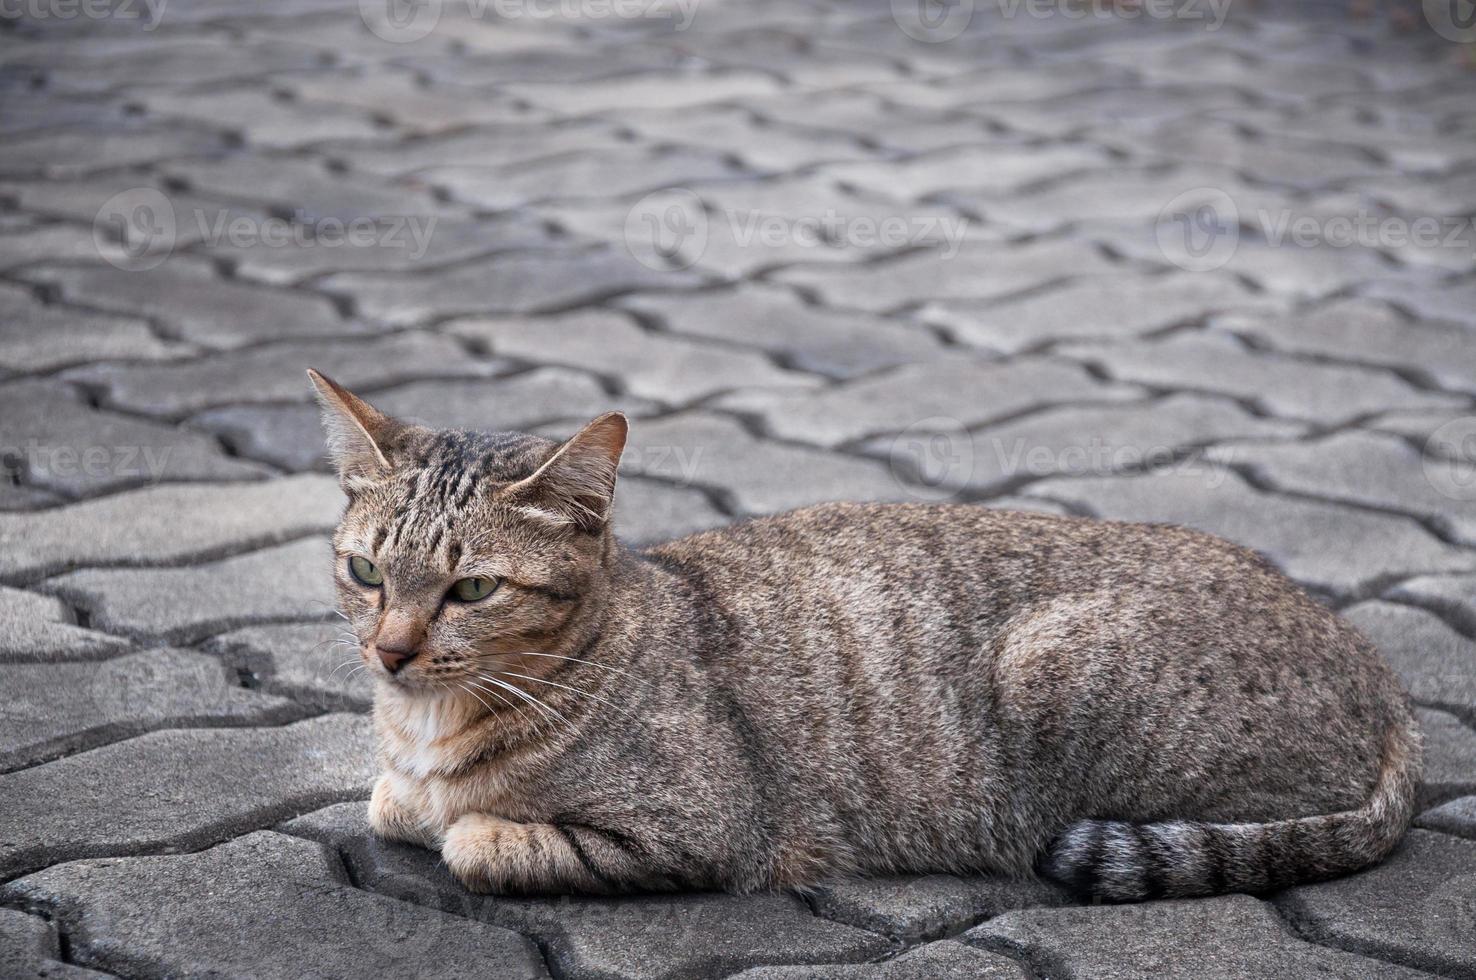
x=1134 y=710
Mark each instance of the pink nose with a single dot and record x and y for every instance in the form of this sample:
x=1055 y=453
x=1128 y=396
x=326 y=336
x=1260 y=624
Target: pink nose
x=394 y=657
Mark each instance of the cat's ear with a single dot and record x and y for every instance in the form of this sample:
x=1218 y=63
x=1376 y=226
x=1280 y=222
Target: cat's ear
x=358 y=433
x=577 y=483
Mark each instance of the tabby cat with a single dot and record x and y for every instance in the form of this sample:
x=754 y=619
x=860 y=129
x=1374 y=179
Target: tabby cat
x=1132 y=710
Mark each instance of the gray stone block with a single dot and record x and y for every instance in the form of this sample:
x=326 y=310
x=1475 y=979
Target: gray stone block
x=1456 y=817
x=931 y=906
x=313 y=663
x=1450 y=757
x=267 y=906
x=1223 y=938
x=36 y=337
x=936 y=961
x=1454 y=596
x=56 y=709
x=1327 y=546
x=1417 y=908
x=1436 y=664
x=29 y=950
x=166 y=523
x=41 y=628
x=179 y=790
x=656 y=936
x=289 y=582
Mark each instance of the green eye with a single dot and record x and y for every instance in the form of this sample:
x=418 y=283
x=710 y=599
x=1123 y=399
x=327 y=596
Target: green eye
x=364 y=572
x=473 y=589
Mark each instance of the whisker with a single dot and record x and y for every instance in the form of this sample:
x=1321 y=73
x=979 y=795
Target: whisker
x=566 y=687
x=577 y=660
x=478 y=697
x=530 y=699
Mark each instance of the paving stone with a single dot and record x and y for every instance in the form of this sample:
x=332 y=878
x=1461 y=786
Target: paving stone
x=66 y=153
x=1415 y=908
x=37 y=337
x=736 y=132
x=955 y=392
x=288 y=582
x=276 y=373
x=1454 y=596
x=1371 y=332
x=1455 y=301
x=37 y=627
x=613 y=172
x=261 y=119
x=486 y=146
x=166 y=523
x=1447 y=195
x=180 y=789
x=56 y=709
x=1206 y=939
x=515 y=284
x=1121 y=306
x=784 y=51
x=1326 y=546
x=291 y=436
x=659 y=936
x=854 y=114
x=1456 y=817
x=1360 y=467
x=175 y=61
x=1436 y=664
x=1290 y=163
x=1289 y=387
x=398 y=97
x=929 y=906
x=653 y=90
x=1010 y=83
x=1075 y=441
x=312 y=663
x=936 y=961
x=998 y=168
x=29 y=950
x=307 y=189
x=1450 y=757
x=1108 y=109
x=649 y=512
x=803 y=336
x=1280 y=266
x=47 y=243
x=194 y=304
x=54 y=440
x=977 y=272
x=267 y=906
x=666 y=367
x=759 y=476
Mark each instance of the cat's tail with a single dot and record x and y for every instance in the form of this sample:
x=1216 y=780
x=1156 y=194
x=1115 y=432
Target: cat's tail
x=1128 y=862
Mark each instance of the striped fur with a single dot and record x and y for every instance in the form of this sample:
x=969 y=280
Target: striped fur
x=843 y=690
x=1117 y=861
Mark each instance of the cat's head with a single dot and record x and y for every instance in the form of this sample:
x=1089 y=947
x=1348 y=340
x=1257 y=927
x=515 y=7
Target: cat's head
x=463 y=553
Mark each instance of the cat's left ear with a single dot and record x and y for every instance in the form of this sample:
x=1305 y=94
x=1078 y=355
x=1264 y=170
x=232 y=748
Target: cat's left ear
x=577 y=483
x=359 y=435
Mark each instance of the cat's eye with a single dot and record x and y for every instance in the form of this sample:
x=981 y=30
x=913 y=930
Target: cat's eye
x=364 y=572
x=473 y=589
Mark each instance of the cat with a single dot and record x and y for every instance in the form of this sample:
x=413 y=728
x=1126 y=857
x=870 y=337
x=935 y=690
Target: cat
x=1132 y=710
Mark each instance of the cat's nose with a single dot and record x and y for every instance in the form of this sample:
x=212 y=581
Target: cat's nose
x=394 y=657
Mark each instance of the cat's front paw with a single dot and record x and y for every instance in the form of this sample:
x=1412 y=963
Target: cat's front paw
x=477 y=849
x=392 y=818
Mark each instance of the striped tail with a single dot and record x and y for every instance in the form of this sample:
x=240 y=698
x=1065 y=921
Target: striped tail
x=1128 y=862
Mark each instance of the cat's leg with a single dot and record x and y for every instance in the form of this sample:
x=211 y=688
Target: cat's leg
x=489 y=854
x=394 y=816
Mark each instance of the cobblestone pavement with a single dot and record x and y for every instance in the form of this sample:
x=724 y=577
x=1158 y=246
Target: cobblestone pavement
x=1173 y=262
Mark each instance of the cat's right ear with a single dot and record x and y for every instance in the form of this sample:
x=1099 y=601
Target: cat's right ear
x=358 y=433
